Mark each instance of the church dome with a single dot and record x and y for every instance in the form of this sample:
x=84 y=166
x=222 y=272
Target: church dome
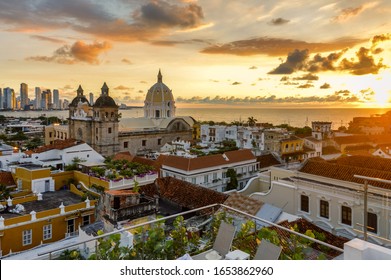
x=104 y=99
x=159 y=102
x=159 y=92
x=80 y=98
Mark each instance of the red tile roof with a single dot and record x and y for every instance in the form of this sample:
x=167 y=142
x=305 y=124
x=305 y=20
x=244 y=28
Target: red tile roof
x=190 y=164
x=354 y=139
x=345 y=171
x=267 y=160
x=182 y=193
x=57 y=144
x=6 y=179
x=243 y=203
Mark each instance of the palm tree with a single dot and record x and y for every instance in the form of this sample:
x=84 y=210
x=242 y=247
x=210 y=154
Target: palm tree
x=251 y=121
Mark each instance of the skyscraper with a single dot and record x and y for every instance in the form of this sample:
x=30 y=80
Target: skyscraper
x=9 y=99
x=91 y=98
x=56 y=99
x=24 y=99
x=38 y=98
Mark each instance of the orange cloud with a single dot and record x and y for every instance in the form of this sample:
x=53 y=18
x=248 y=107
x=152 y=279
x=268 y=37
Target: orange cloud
x=78 y=52
x=276 y=46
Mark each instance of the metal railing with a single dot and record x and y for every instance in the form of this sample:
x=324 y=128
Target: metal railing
x=213 y=208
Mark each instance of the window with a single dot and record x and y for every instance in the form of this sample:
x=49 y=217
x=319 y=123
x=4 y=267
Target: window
x=50 y=134
x=346 y=215
x=214 y=176
x=126 y=144
x=143 y=143
x=304 y=203
x=47 y=232
x=159 y=141
x=27 y=237
x=206 y=178
x=193 y=180
x=372 y=222
x=71 y=226
x=86 y=220
x=109 y=130
x=324 y=209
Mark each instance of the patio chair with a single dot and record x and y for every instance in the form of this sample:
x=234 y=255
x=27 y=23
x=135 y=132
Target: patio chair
x=222 y=244
x=267 y=251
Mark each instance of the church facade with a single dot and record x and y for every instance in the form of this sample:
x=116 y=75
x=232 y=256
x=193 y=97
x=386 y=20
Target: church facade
x=101 y=126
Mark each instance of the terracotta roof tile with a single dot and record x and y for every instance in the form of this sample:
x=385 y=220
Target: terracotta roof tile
x=184 y=194
x=6 y=178
x=267 y=160
x=354 y=139
x=190 y=164
x=123 y=155
x=244 y=203
x=57 y=144
x=343 y=172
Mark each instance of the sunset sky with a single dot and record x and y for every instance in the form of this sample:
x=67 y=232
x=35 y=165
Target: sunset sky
x=211 y=52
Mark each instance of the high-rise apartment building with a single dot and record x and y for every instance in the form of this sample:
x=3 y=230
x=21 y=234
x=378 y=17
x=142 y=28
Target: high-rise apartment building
x=56 y=99
x=91 y=98
x=38 y=98
x=24 y=99
x=9 y=99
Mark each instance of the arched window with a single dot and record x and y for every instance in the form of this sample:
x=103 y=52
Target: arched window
x=168 y=113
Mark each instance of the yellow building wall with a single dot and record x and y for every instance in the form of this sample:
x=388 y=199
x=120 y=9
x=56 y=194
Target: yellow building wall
x=90 y=180
x=61 y=179
x=12 y=238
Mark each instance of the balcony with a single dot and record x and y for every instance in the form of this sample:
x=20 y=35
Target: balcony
x=167 y=235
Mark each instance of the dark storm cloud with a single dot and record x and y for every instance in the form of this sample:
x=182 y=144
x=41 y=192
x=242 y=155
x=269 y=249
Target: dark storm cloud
x=276 y=46
x=162 y=13
x=307 y=85
x=294 y=62
x=364 y=63
x=380 y=38
x=78 y=52
x=279 y=21
x=307 y=77
x=146 y=22
x=324 y=63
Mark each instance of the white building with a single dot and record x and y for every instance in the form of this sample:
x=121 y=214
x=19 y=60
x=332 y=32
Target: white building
x=328 y=195
x=211 y=171
x=314 y=147
x=58 y=155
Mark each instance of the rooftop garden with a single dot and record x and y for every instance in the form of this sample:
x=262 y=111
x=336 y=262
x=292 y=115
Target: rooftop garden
x=170 y=240
x=122 y=169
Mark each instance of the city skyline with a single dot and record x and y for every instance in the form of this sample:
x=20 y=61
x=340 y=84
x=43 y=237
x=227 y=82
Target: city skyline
x=211 y=53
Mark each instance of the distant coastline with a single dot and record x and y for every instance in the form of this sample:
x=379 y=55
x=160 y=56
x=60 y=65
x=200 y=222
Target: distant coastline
x=298 y=117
